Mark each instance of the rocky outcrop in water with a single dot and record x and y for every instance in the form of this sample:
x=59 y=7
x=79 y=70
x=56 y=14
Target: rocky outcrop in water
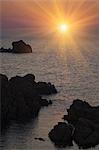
x=85 y=122
x=81 y=109
x=4 y=50
x=86 y=133
x=18 y=47
x=21 y=47
x=85 y=119
x=61 y=134
x=21 y=98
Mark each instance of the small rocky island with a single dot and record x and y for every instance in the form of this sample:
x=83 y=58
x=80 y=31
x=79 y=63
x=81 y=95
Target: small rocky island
x=18 y=47
x=21 y=98
x=81 y=126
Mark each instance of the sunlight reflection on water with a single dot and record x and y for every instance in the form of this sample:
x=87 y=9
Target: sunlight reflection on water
x=74 y=76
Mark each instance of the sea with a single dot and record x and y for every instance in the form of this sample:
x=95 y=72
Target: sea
x=73 y=69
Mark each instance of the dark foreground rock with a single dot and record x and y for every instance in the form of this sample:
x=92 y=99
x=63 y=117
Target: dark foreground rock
x=83 y=128
x=86 y=133
x=45 y=89
x=21 y=99
x=18 y=47
x=81 y=109
x=61 y=134
x=85 y=120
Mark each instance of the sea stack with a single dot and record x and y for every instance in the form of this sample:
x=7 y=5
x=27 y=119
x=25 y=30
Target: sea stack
x=21 y=47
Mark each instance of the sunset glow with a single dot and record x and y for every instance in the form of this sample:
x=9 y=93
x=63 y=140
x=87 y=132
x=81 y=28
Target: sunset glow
x=63 y=21
x=63 y=28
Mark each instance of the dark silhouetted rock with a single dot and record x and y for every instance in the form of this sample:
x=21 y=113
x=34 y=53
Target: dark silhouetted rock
x=40 y=139
x=50 y=102
x=86 y=133
x=85 y=119
x=45 y=88
x=45 y=102
x=3 y=81
x=3 y=99
x=30 y=77
x=61 y=134
x=83 y=128
x=3 y=50
x=18 y=47
x=21 y=47
x=81 y=109
x=20 y=98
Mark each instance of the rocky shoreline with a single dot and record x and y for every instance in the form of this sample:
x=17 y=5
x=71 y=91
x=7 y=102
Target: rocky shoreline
x=21 y=98
x=21 y=101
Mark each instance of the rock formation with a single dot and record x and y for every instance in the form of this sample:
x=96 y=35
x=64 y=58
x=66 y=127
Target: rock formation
x=85 y=122
x=61 y=134
x=86 y=133
x=18 y=47
x=21 y=99
x=81 y=109
x=21 y=47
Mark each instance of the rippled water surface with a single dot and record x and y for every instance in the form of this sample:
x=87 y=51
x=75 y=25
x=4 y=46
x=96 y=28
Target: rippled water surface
x=75 y=73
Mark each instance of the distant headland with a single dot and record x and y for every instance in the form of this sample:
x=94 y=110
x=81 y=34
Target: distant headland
x=17 y=47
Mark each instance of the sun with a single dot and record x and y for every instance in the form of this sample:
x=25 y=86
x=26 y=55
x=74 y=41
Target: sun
x=63 y=28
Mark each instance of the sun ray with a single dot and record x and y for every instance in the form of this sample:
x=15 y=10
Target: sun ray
x=64 y=20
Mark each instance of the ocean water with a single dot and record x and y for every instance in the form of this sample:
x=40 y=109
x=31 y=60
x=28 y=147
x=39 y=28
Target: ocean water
x=75 y=73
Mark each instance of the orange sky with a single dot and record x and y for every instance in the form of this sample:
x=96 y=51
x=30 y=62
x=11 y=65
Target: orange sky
x=41 y=16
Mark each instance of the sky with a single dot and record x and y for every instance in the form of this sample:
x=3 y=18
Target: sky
x=35 y=18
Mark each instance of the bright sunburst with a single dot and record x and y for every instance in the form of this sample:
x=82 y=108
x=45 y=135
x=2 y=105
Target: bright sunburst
x=63 y=28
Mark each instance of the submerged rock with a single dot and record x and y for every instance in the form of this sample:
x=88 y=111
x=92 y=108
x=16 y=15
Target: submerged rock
x=3 y=50
x=40 y=139
x=61 y=134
